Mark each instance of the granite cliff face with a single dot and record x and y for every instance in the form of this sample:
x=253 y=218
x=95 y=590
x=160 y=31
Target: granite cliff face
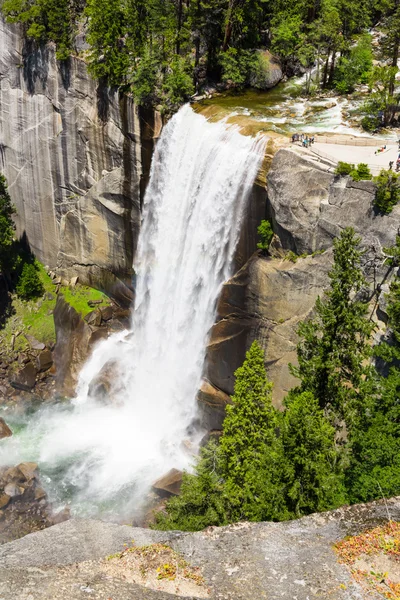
x=76 y=157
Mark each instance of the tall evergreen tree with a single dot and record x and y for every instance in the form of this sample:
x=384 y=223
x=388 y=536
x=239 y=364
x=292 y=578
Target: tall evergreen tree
x=108 y=57
x=334 y=351
x=201 y=502
x=250 y=451
x=240 y=479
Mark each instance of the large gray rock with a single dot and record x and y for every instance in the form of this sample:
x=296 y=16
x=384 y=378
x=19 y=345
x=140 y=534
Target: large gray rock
x=309 y=205
x=72 y=154
x=269 y=72
x=246 y=561
x=73 y=337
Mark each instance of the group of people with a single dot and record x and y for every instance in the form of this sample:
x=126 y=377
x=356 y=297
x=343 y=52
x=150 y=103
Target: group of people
x=305 y=140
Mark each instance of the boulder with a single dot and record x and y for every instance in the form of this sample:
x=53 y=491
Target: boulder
x=44 y=361
x=106 y=313
x=4 y=500
x=5 y=431
x=169 y=484
x=12 y=490
x=268 y=72
x=29 y=470
x=25 y=379
x=101 y=386
x=34 y=343
x=93 y=318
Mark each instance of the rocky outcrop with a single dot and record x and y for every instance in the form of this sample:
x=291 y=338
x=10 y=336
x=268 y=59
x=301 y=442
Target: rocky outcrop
x=76 y=337
x=5 y=431
x=268 y=297
x=76 y=157
x=246 y=561
x=309 y=205
x=265 y=301
x=169 y=484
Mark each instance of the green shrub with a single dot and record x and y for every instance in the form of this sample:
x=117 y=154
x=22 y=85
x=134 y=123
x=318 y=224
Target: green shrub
x=370 y=122
x=344 y=168
x=387 y=193
x=356 y=173
x=266 y=234
x=29 y=285
x=363 y=171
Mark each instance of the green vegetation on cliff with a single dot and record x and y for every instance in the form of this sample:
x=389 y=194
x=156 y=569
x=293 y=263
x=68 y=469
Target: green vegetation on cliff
x=334 y=347
x=273 y=466
x=28 y=294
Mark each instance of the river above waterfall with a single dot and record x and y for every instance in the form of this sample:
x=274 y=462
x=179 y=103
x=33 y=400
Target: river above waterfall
x=285 y=110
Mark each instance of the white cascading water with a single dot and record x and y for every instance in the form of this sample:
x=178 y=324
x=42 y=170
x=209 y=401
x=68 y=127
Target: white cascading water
x=105 y=455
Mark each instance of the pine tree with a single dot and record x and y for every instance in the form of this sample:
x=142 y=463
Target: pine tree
x=108 y=56
x=241 y=478
x=250 y=451
x=29 y=285
x=313 y=475
x=334 y=351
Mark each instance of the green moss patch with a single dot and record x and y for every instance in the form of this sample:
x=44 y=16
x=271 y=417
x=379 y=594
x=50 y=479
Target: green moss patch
x=35 y=317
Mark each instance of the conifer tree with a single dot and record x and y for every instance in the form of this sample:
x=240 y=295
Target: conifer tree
x=313 y=474
x=108 y=58
x=240 y=479
x=250 y=451
x=333 y=352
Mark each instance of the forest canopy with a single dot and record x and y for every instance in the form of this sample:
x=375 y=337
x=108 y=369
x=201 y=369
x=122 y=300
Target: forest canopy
x=165 y=50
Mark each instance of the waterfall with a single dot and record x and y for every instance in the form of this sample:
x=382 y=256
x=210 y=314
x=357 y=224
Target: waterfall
x=110 y=453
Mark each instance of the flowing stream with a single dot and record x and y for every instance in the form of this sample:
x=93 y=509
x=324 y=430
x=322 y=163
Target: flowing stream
x=102 y=455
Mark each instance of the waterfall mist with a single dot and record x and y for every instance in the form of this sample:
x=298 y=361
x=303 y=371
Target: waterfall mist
x=103 y=456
